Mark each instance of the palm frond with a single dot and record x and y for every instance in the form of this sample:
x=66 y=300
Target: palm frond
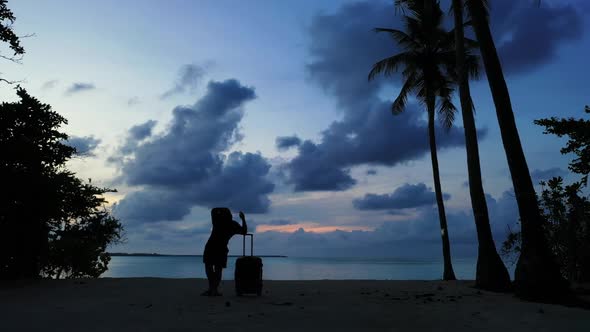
x=446 y=108
x=472 y=65
x=407 y=7
x=400 y=37
x=387 y=66
x=399 y=104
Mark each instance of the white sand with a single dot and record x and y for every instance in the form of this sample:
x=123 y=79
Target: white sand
x=146 y=304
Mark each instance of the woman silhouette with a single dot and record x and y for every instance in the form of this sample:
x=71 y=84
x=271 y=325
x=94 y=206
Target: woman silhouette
x=215 y=255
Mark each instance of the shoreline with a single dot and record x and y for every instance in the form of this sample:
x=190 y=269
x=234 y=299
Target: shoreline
x=160 y=304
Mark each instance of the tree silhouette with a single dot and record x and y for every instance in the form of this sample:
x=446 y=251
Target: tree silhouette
x=578 y=131
x=491 y=274
x=48 y=217
x=427 y=64
x=7 y=35
x=566 y=224
x=537 y=274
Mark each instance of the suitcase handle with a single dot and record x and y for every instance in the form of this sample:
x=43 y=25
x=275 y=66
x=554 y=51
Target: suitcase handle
x=251 y=244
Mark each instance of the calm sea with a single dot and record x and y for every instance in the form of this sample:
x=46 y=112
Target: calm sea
x=292 y=268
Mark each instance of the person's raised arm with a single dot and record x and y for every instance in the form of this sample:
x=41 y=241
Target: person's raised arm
x=244 y=225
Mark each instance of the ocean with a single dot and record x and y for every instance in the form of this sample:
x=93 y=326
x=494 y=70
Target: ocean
x=292 y=268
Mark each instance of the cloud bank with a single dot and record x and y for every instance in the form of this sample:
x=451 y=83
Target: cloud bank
x=404 y=197
x=188 y=165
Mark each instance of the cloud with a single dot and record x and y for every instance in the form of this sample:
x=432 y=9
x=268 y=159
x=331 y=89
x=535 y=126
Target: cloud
x=152 y=205
x=49 y=85
x=79 y=87
x=343 y=45
x=278 y=222
x=392 y=238
x=546 y=174
x=343 y=48
x=84 y=146
x=137 y=134
x=371 y=172
x=404 y=197
x=376 y=139
x=285 y=142
x=189 y=77
x=529 y=37
x=188 y=165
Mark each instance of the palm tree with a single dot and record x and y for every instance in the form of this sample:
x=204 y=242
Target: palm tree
x=426 y=55
x=537 y=274
x=491 y=273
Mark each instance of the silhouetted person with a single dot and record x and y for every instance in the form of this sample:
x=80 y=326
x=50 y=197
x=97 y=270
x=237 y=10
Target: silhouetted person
x=215 y=255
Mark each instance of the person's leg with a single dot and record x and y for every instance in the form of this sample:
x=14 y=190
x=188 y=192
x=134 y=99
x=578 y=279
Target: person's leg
x=217 y=272
x=211 y=277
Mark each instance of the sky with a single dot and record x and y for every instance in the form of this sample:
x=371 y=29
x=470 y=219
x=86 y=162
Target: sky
x=264 y=107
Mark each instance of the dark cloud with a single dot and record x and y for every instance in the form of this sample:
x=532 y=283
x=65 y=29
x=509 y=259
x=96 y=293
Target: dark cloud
x=84 y=146
x=190 y=150
x=152 y=205
x=371 y=172
x=189 y=77
x=142 y=131
x=135 y=136
x=376 y=139
x=186 y=166
x=404 y=197
x=79 y=87
x=285 y=142
x=546 y=174
x=343 y=48
x=343 y=45
x=528 y=36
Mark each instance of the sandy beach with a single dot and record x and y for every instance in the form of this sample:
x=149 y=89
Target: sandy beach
x=151 y=304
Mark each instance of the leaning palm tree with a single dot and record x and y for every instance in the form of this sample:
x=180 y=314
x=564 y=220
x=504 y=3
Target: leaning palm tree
x=491 y=273
x=426 y=55
x=537 y=274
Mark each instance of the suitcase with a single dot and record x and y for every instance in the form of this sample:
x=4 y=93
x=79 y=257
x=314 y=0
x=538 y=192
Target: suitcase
x=248 y=273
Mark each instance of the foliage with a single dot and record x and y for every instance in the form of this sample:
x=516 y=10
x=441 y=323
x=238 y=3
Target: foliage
x=565 y=211
x=51 y=223
x=8 y=36
x=566 y=225
x=427 y=60
x=578 y=131
x=427 y=63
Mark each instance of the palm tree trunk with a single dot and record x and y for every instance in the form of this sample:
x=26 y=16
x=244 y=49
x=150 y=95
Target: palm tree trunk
x=537 y=275
x=448 y=273
x=491 y=273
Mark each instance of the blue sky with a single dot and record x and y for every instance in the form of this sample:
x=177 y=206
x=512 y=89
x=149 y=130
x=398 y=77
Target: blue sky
x=181 y=104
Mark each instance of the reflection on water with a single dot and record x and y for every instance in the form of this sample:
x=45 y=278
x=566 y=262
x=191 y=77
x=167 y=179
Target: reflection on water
x=292 y=268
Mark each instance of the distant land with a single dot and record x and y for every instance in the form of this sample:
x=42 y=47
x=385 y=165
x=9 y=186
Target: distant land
x=141 y=254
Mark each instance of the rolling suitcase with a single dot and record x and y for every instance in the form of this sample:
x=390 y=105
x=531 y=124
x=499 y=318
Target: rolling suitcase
x=248 y=274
